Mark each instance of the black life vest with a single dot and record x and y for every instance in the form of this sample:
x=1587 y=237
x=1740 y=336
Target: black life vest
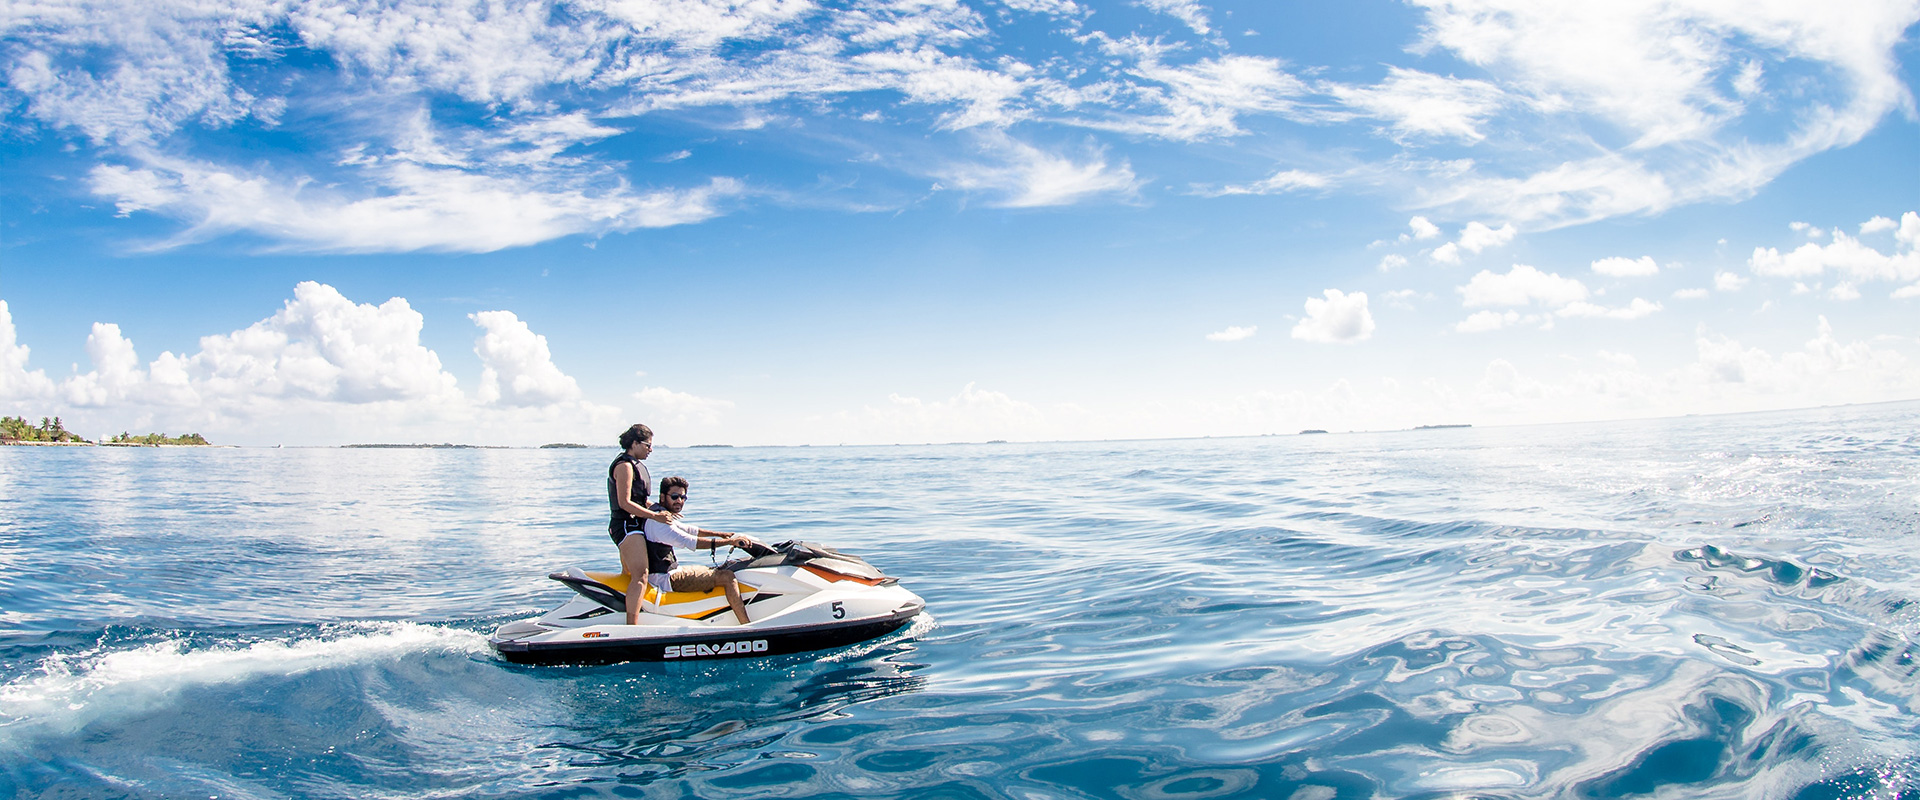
x=622 y=523
x=660 y=557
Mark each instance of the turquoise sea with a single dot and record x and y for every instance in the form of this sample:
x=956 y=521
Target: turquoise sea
x=1712 y=607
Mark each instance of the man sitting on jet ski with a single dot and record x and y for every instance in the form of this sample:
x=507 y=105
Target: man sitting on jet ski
x=662 y=537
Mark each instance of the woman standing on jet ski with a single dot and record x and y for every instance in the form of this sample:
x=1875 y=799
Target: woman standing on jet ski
x=627 y=483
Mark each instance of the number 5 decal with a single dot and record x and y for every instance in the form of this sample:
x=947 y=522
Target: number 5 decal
x=839 y=611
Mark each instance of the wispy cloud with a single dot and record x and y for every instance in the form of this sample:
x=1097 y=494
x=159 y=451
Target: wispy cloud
x=1563 y=113
x=1023 y=176
x=1288 y=180
x=1415 y=103
x=1187 y=11
x=1654 y=70
x=417 y=206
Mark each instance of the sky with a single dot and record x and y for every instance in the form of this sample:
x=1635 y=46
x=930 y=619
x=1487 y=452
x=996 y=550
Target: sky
x=904 y=221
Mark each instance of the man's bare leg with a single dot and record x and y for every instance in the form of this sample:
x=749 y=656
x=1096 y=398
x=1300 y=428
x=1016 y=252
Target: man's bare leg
x=733 y=594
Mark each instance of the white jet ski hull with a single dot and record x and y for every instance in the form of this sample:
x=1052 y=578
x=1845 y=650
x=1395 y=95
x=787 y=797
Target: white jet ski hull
x=793 y=608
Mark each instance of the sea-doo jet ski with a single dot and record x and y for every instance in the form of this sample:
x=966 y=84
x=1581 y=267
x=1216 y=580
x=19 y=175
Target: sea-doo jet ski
x=799 y=596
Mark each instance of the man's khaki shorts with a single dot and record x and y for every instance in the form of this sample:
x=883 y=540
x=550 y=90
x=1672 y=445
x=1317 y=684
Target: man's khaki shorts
x=695 y=579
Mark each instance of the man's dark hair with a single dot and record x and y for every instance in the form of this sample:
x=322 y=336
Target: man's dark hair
x=670 y=482
x=637 y=433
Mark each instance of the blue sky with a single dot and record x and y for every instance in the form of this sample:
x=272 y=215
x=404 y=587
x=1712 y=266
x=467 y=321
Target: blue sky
x=787 y=222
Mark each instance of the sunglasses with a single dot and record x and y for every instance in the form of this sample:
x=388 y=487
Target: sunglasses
x=677 y=496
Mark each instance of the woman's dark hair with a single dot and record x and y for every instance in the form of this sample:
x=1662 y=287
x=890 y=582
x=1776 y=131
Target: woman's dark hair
x=637 y=433
x=670 y=482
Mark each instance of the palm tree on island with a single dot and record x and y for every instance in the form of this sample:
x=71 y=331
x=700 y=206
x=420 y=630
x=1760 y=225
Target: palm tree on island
x=16 y=430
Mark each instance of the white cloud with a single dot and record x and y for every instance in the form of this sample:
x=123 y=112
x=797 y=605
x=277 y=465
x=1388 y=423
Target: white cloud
x=1392 y=261
x=325 y=369
x=1651 y=73
x=17 y=383
x=1521 y=286
x=419 y=207
x=116 y=373
x=1635 y=310
x=1196 y=101
x=1906 y=292
x=1187 y=11
x=1483 y=321
x=1689 y=294
x=323 y=346
x=1423 y=229
x=1617 y=359
x=1728 y=281
x=1420 y=103
x=517 y=369
x=1028 y=177
x=1502 y=385
x=1845 y=290
x=974 y=415
x=1877 y=225
x=1824 y=368
x=1847 y=256
x=1474 y=238
x=1058 y=8
x=1277 y=183
x=1620 y=267
x=680 y=409
x=1340 y=318
x=1233 y=333
x=1601 y=110
x=1726 y=377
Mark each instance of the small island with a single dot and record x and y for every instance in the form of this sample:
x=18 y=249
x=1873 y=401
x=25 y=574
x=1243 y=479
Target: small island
x=1313 y=430
x=566 y=446
x=16 y=430
x=156 y=440
x=1441 y=427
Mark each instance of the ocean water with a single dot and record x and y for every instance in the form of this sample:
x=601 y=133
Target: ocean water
x=1714 y=607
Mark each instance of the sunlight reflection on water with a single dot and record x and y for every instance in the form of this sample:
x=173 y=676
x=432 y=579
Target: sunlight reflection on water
x=1715 y=606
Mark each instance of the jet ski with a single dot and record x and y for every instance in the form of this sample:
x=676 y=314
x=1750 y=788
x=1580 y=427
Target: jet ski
x=799 y=596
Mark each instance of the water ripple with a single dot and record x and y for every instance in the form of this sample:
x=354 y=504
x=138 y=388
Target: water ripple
x=1710 y=607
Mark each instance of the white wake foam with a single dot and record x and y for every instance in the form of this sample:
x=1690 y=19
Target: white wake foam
x=71 y=691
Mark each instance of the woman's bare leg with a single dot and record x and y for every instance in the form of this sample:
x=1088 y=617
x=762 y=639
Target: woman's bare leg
x=633 y=564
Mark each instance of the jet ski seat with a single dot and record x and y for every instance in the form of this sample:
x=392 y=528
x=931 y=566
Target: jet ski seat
x=609 y=589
